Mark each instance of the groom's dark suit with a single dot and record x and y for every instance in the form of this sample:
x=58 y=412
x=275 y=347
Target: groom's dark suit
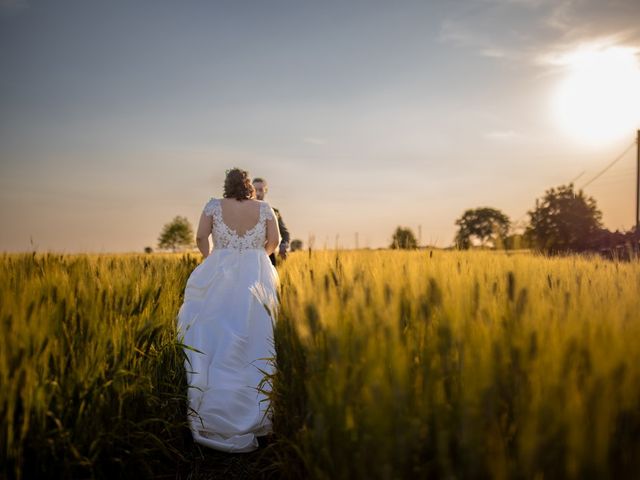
x=284 y=235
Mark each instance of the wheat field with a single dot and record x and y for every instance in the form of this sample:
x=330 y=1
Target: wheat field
x=390 y=365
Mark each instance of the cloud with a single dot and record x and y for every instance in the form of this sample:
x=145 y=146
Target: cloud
x=495 y=29
x=315 y=140
x=455 y=32
x=584 y=19
x=493 y=53
x=533 y=31
x=563 y=55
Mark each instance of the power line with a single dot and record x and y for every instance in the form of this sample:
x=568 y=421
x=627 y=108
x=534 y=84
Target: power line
x=598 y=175
x=616 y=160
x=576 y=178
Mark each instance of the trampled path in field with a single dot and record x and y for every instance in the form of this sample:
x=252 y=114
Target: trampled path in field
x=209 y=464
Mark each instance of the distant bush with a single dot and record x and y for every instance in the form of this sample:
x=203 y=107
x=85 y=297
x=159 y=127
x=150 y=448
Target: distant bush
x=296 y=245
x=403 y=238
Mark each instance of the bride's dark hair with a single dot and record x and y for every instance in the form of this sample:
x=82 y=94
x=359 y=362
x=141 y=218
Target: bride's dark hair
x=238 y=185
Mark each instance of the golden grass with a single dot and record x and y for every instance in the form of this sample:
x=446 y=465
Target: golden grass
x=458 y=364
x=90 y=367
x=390 y=365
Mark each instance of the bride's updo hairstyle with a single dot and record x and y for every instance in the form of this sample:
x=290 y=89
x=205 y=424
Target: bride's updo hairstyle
x=238 y=185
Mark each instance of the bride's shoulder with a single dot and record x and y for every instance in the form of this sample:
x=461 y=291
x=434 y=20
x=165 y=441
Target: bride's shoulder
x=266 y=209
x=210 y=205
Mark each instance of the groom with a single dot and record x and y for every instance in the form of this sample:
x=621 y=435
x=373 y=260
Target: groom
x=260 y=185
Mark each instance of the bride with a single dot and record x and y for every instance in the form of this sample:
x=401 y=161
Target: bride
x=226 y=318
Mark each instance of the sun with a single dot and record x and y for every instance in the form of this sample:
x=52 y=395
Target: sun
x=598 y=101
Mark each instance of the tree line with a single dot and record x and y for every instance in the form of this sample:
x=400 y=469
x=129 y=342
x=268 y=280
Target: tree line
x=563 y=221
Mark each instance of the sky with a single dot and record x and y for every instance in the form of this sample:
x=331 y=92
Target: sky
x=362 y=115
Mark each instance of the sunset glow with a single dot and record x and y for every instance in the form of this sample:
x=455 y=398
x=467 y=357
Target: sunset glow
x=362 y=116
x=599 y=99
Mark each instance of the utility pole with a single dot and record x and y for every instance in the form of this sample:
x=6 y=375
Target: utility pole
x=638 y=185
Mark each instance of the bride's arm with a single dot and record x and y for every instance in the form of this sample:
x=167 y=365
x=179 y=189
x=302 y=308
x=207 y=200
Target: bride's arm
x=273 y=235
x=204 y=230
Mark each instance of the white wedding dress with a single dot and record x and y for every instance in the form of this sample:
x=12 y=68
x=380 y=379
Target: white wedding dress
x=225 y=317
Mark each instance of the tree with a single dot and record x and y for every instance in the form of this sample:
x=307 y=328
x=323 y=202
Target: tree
x=564 y=220
x=488 y=225
x=177 y=233
x=296 y=245
x=403 y=238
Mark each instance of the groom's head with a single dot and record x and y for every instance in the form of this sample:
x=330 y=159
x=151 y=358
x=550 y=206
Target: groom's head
x=260 y=185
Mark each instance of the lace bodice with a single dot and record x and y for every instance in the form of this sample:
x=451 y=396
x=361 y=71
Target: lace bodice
x=225 y=237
